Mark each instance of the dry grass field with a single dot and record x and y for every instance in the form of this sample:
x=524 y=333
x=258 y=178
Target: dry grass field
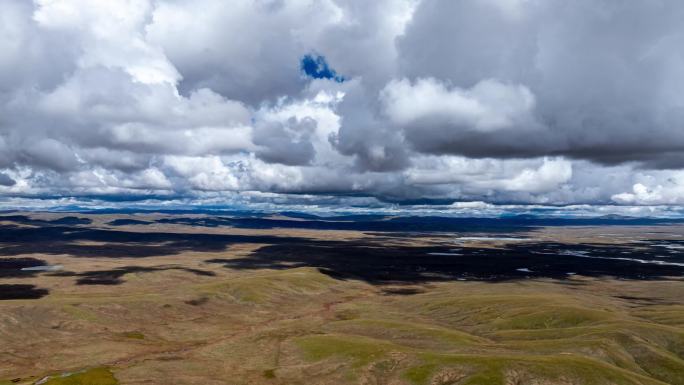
x=151 y=299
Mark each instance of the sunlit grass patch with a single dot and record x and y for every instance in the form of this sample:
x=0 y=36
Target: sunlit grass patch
x=272 y=286
x=135 y=335
x=359 y=350
x=513 y=369
x=551 y=317
x=79 y=312
x=95 y=376
x=408 y=333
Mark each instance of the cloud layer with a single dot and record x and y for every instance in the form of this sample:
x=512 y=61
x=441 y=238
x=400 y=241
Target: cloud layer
x=506 y=101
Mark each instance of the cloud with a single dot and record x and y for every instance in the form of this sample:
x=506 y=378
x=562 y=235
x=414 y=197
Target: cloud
x=248 y=51
x=50 y=153
x=525 y=101
x=547 y=177
x=479 y=121
x=658 y=189
x=487 y=106
x=287 y=143
x=6 y=180
x=603 y=89
x=363 y=135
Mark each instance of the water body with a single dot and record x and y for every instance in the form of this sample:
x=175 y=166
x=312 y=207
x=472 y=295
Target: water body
x=494 y=239
x=585 y=254
x=43 y=268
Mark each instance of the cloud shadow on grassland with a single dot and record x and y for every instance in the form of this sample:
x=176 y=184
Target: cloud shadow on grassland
x=115 y=276
x=88 y=242
x=8 y=292
x=373 y=259
x=398 y=264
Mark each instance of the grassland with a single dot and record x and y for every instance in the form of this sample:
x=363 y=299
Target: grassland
x=183 y=319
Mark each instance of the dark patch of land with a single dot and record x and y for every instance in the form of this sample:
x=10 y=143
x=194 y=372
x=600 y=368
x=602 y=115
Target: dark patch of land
x=12 y=267
x=372 y=258
x=378 y=264
x=21 y=292
x=114 y=276
x=88 y=242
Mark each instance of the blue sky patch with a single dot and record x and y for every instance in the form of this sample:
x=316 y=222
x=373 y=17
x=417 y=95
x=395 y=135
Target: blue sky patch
x=317 y=67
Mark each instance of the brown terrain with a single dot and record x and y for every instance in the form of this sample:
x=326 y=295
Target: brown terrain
x=182 y=299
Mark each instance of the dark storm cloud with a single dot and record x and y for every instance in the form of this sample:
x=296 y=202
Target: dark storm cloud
x=286 y=143
x=376 y=146
x=603 y=76
x=6 y=180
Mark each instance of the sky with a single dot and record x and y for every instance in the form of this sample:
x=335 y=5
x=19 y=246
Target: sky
x=351 y=102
